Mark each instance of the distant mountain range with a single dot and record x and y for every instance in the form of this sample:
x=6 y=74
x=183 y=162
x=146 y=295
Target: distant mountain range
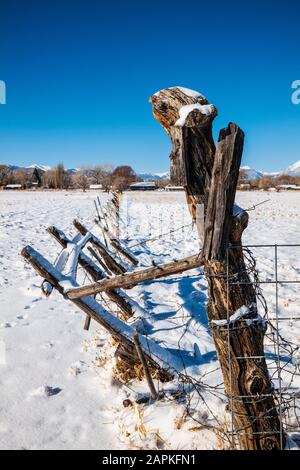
x=250 y=173
x=39 y=167
x=291 y=170
x=154 y=176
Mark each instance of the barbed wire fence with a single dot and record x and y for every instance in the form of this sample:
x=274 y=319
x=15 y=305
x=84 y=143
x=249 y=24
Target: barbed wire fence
x=282 y=355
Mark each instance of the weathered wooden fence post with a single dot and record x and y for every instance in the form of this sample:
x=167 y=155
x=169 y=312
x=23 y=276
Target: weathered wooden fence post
x=209 y=174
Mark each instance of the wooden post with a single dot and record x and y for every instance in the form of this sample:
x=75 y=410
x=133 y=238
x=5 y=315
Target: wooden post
x=158 y=357
x=142 y=358
x=128 y=280
x=209 y=174
x=87 y=323
x=124 y=302
x=114 y=265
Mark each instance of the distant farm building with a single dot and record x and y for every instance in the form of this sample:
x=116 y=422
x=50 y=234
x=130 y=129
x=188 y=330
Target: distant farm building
x=288 y=187
x=143 y=186
x=36 y=177
x=244 y=186
x=95 y=186
x=170 y=187
x=13 y=186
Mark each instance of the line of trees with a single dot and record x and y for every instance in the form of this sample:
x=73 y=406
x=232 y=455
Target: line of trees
x=118 y=178
x=267 y=181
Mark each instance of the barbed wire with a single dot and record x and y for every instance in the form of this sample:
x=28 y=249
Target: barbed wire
x=197 y=389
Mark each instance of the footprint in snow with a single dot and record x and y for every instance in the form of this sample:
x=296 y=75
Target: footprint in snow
x=47 y=345
x=46 y=391
x=76 y=369
x=22 y=317
x=7 y=325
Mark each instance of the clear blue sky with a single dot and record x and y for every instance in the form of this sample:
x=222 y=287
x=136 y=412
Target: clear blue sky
x=79 y=74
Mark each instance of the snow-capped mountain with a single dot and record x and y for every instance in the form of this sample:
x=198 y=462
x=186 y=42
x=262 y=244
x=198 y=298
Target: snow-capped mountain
x=72 y=171
x=292 y=170
x=250 y=173
x=13 y=167
x=38 y=167
x=154 y=176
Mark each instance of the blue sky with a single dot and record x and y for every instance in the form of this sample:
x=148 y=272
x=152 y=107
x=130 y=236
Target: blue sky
x=79 y=75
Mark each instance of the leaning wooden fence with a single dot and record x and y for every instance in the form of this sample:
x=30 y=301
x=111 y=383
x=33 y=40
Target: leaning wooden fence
x=209 y=173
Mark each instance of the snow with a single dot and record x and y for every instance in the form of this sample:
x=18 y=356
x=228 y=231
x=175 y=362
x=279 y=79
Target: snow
x=293 y=170
x=143 y=184
x=250 y=173
x=13 y=186
x=39 y=167
x=57 y=390
x=154 y=176
x=240 y=314
x=186 y=91
x=206 y=109
x=288 y=186
x=189 y=92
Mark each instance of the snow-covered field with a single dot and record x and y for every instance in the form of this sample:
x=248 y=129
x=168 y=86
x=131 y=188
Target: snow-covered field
x=56 y=385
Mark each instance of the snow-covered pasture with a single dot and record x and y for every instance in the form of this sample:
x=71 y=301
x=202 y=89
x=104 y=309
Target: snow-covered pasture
x=56 y=386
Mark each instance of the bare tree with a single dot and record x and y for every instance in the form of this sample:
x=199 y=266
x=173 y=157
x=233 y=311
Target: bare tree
x=162 y=183
x=265 y=182
x=4 y=174
x=80 y=180
x=122 y=177
x=48 y=179
x=99 y=174
x=21 y=176
x=59 y=176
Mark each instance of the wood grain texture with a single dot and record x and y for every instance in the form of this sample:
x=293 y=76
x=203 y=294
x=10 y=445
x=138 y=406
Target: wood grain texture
x=95 y=272
x=54 y=277
x=222 y=191
x=114 y=265
x=128 y=280
x=210 y=179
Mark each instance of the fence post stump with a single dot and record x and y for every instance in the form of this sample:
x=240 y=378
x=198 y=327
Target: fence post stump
x=209 y=174
x=142 y=358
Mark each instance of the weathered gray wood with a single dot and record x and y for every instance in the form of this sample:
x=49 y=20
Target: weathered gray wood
x=211 y=178
x=222 y=192
x=124 y=251
x=129 y=280
x=158 y=357
x=116 y=244
x=114 y=265
x=96 y=273
x=142 y=358
x=100 y=260
x=193 y=147
x=87 y=323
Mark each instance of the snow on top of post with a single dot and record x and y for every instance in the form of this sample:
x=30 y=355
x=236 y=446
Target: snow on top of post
x=206 y=109
x=241 y=314
x=186 y=91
